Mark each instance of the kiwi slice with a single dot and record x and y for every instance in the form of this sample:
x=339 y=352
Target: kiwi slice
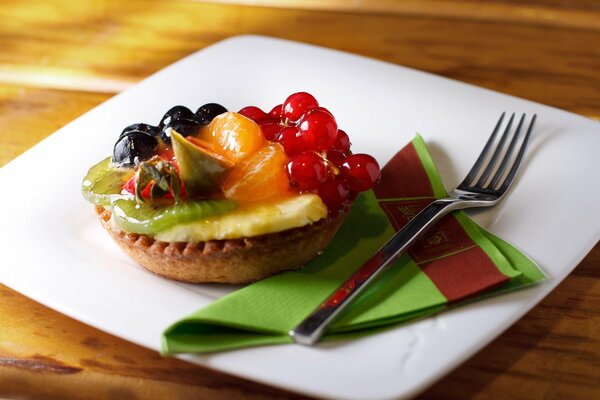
x=104 y=182
x=147 y=219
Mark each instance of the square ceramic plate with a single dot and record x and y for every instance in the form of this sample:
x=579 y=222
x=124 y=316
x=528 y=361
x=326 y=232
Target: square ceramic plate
x=552 y=214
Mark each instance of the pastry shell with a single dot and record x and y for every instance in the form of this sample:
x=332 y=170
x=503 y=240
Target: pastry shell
x=233 y=261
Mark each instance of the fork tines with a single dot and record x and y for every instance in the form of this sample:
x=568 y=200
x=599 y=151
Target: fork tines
x=497 y=164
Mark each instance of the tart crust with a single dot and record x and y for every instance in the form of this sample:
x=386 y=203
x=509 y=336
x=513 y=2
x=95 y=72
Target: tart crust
x=231 y=261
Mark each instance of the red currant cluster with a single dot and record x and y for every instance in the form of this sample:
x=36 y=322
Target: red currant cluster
x=320 y=156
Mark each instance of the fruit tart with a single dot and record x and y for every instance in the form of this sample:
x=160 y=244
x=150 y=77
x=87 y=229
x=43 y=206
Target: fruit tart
x=231 y=197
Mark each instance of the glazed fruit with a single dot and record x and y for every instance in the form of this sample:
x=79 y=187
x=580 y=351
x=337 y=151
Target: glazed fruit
x=251 y=220
x=276 y=111
x=200 y=168
x=133 y=147
x=337 y=158
x=307 y=170
x=254 y=113
x=318 y=130
x=206 y=113
x=177 y=112
x=361 y=171
x=291 y=140
x=252 y=156
x=179 y=118
x=132 y=217
x=104 y=182
x=270 y=130
x=334 y=192
x=341 y=142
x=297 y=104
x=320 y=156
x=145 y=128
x=233 y=136
x=185 y=127
x=261 y=176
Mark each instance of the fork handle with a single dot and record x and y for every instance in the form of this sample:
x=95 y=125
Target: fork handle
x=310 y=330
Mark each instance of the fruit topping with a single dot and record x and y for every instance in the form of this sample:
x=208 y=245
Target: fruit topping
x=180 y=119
x=276 y=111
x=337 y=158
x=206 y=113
x=341 y=142
x=334 y=192
x=291 y=140
x=320 y=157
x=177 y=112
x=104 y=182
x=183 y=126
x=157 y=180
x=261 y=176
x=250 y=220
x=297 y=104
x=200 y=168
x=270 y=130
x=307 y=170
x=254 y=113
x=133 y=147
x=360 y=171
x=133 y=217
x=233 y=136
x=294 y=149
x=318 y=130
x=145 y=128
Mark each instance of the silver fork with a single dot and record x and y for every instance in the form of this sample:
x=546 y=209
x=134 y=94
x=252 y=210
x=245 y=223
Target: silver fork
x=485 y=185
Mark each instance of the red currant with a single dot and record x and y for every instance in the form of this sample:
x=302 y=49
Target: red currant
x=270 y=130
x=318 y=129
x=254 y=113
x=342 y=142
x=336 y=157
x=291 y=140
x=334 y=192
x=307 y=170
x=322 y=109
x=297 y=104
x=276 y=111
x=360 y=171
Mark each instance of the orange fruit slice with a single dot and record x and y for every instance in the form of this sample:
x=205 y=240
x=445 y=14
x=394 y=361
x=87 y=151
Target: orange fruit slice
x=261 y=176
x=233 y=136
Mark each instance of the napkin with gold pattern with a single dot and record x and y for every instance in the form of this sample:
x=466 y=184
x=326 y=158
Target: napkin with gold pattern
x=455 y=262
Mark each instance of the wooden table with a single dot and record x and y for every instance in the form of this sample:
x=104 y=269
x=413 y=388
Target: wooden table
x=59 y=59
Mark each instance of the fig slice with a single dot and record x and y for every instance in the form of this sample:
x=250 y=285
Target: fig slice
x=200 y=168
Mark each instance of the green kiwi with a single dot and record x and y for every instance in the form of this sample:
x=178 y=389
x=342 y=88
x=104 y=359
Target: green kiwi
x=147 y=219
x=104 y=182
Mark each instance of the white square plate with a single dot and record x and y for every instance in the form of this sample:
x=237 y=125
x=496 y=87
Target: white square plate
x=55 y=252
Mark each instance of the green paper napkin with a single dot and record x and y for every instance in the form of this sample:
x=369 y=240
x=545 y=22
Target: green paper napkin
x=456 y=262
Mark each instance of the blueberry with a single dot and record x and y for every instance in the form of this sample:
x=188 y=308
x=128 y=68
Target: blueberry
x=149 y=129
x=176 y=112
x=183 y=126
x=208 y=112
x=133 y=147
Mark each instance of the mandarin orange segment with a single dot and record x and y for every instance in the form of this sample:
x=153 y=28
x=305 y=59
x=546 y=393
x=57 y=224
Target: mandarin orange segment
x=259 y=177
x=233 y=136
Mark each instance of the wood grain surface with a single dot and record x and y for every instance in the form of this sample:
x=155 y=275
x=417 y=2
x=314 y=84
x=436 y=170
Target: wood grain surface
x=62 y=58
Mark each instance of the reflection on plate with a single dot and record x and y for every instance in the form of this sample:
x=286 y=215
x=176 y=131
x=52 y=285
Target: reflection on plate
x=77 y=270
